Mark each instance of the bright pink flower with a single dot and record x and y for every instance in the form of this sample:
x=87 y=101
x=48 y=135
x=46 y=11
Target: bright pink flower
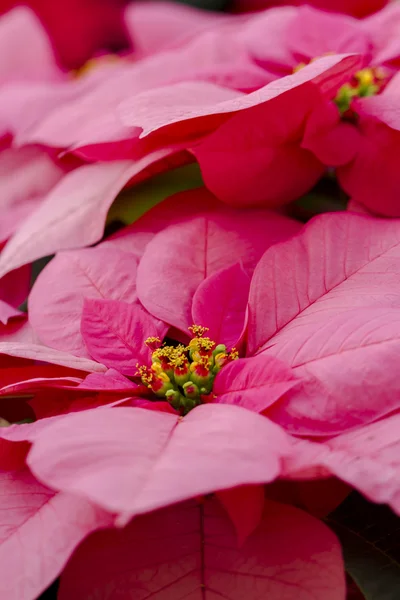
x=205 y=238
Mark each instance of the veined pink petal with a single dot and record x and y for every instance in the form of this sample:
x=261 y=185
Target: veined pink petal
x=178 y=259
x=44 y=354
x=56 y=303
x=326 y=304
x=366 y=458
x=31 y=60
x=39 y=531
x=115 y=333
x=74 y=212
x=130 y=460
x=27 y=174
x=191 y=551
x=254 y=383
x=220 y=302
x=184 y=110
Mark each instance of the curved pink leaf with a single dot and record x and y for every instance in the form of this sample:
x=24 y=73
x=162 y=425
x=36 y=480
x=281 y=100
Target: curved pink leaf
x=110 y=380
x=8 y=312
x=74 y=213
x=327 y=304
x=39 y=531
x=15 y=286
x=316 y=32
x=154 y=27
x=184 y=110
x=32 y=60
x=44 y=354
x=56 y=303
x=245 y=506
x=27 y=174
x=220 y=302
x=190 y=551
x=115 y=333
x=254 y=383
x=244 y=166
x=178 y=259
x=367 y=459
x=129 y=460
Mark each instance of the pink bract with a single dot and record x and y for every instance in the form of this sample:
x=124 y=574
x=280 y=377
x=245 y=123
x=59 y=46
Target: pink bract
x=358 y=8
x=283 y=538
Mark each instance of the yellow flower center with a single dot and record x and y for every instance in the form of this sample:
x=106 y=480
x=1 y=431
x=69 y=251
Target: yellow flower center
x=184 y=375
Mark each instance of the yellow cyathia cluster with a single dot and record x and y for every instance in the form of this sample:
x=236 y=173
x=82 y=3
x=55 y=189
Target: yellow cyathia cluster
x=184 y=375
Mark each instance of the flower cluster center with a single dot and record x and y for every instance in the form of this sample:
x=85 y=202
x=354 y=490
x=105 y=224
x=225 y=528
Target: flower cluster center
x=184 y=375
x=367 y=82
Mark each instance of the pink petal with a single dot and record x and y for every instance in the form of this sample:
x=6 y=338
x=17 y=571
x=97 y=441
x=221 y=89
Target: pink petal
x=177 y=208
x=56 y=303
x=110 y=380
x=32 y=60
x=325 y=303
x=178 y=259
x=45 y=354
x=316 y=33
x=39 y=531
x=154 y=26
x=372 y=185
x=129 y=460
x=244 y=166
x=220 y=302
x=115 y=333
x=184 y=110
x=8 y=312
x=382 y=28
x=190 y=551
x=15 y=286
x=74 y=212
x=245 y=507
x=367 y=459
x=254 y=383
x=27 y=174
x=265 y=34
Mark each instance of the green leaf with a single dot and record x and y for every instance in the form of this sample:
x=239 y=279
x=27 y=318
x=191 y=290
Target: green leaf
x=134 y=202
x=370 y=537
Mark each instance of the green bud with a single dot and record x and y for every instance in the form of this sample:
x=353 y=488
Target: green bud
x=174 y=398
x=191 y=390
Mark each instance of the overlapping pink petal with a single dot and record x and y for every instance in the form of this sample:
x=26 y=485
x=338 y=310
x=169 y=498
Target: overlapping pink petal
x=366 y=458
x=290 y=555
x=74 y=212
x=29 y=52
x=326 y=303
x=39 y=531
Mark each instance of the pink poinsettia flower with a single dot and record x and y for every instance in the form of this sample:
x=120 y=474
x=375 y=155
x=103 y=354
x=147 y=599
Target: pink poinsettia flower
x=213 y=235
x=153 y=119
x=370 y=181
